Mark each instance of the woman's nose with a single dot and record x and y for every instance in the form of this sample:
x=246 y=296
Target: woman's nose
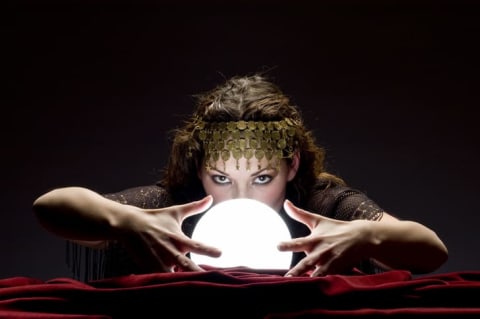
x=240 y=192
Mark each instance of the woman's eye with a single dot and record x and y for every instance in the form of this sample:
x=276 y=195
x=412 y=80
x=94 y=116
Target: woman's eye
x=220 y=179
x=263 y=179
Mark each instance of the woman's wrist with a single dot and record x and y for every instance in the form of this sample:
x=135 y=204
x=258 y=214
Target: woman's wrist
x=371 y=235
x=125 y=219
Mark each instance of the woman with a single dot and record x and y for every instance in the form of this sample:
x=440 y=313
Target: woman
x=245 y=139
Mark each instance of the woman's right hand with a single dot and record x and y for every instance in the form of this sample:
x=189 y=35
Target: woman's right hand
x=157 y=242
x=154 y=236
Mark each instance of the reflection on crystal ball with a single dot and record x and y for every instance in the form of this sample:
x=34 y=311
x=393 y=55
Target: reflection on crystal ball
x=247 y=231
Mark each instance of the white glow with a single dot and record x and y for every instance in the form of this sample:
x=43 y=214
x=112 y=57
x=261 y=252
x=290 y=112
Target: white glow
x=247 y=231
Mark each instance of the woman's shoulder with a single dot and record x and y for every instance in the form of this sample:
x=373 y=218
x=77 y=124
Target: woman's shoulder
x=325 y=194
x=330 y=187
x=144 y=196
x=341 y=201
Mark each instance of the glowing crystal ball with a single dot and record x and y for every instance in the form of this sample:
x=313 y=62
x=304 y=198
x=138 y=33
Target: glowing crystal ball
x=247 y=231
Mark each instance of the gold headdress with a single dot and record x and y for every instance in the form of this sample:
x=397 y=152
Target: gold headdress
x=248 y=139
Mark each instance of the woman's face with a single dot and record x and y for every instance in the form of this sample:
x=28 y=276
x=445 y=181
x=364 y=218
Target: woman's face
x=252 y=179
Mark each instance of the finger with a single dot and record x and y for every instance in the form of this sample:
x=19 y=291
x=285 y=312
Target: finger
x=319 y=271
x=300 y=215
x=196 y=207
x=201 y=248
x=186 y=264
x=302 y=267
x=327 y=269
x=332 y=265
x=297 y=244
x=172 y=258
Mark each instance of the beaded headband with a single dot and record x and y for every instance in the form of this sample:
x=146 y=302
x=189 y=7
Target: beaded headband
x=248 y=139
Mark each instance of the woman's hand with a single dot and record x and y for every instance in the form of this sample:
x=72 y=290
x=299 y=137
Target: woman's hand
x=333 y=246
x=154 y=236
x=156 y=240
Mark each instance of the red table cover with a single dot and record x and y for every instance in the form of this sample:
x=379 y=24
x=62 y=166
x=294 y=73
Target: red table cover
x=244 y=293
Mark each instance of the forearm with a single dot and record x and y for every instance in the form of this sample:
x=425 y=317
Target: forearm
x=407 y=245
x=80 y=214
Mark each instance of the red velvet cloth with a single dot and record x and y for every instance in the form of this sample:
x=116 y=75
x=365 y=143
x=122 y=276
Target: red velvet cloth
x=244 y=293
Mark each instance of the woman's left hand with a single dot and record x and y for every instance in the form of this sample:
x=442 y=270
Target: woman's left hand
x=332 y=247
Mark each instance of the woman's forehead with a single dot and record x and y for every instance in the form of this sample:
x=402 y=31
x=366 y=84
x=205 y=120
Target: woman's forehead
x=243 y=164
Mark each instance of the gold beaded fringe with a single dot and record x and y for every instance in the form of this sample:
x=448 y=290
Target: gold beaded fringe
x=248 y=139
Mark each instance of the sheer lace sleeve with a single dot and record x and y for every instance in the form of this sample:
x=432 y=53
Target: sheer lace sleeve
x=150 y=196
x=344 y=203
x=352 y=204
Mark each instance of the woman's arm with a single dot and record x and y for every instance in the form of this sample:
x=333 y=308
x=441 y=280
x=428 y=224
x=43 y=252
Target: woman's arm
x=336 y=246
x=78 y=213
x=153 y=235
x=402 y=244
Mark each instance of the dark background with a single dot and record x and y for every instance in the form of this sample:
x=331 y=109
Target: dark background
x=92 y=88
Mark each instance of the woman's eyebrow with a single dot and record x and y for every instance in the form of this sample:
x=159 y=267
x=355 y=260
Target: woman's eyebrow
x=219 y=171
x=263 y=170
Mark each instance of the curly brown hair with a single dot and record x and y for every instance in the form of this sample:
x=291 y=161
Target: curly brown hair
x=248 y=98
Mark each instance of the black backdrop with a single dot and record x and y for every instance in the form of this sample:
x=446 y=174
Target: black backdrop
x=91 y=89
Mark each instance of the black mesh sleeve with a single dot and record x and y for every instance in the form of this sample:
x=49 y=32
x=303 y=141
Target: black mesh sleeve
x=150 y=196
x=344 y=203
x=353 y=204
